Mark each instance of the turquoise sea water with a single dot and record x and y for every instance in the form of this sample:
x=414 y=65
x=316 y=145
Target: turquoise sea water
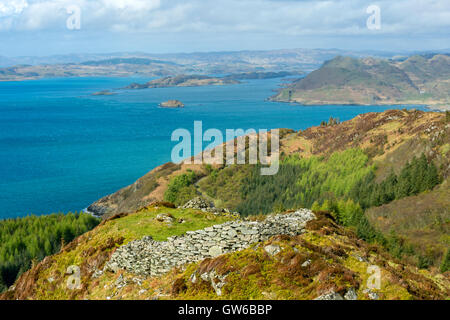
x=61 y=148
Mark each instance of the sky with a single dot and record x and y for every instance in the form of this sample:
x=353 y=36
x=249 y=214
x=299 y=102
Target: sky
x=47 y=27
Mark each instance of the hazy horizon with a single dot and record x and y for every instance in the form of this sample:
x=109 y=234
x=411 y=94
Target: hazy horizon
x=59 y=27
x=387 y=52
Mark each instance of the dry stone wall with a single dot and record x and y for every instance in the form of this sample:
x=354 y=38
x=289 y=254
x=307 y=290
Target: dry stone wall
x=147 y=257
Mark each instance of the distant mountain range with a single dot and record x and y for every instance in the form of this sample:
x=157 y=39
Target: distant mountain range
x=420 y=79
x=336 y=76
x=158 y=65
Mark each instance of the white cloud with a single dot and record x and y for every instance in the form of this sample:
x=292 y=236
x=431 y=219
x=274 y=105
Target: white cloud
x=12 y=7
x=133 y=5
x=287 y=17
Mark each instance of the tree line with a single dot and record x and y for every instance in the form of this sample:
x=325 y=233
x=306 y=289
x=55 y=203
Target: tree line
x=345 y=185
x=32 y=238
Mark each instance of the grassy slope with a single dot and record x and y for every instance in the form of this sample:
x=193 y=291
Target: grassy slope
x=422 y=220
x=338 y=261
x=345 y=80
x=91 y=250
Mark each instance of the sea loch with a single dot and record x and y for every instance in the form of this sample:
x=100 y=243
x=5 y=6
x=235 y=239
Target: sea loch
x=61 y=148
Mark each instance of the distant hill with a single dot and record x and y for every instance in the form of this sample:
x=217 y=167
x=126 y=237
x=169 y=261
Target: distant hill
x=182 y=81
x=203 y=80
x=261 y=75
x=346 y=80
x=169 y=64
x=115 y=61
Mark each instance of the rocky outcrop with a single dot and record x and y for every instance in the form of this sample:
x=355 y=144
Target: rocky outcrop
x=104 y=93
x=200 y=203
x=172 y=104
x=147 y=257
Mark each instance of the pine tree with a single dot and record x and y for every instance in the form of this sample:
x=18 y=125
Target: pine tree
x=432 y=177
x=445 y=265
x=315 y=206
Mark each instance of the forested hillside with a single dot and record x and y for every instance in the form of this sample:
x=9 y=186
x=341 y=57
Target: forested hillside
x=28 y=240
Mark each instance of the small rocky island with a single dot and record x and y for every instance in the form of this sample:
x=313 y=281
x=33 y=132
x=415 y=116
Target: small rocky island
x=103 y=93
x=172 y=104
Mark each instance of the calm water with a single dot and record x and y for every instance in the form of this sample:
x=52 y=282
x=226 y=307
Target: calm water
x=61 y=148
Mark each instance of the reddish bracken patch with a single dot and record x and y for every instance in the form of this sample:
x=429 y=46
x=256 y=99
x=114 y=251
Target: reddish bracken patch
x=178 y=287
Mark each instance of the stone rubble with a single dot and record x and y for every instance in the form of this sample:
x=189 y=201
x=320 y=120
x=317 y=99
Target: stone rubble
x=206 y=206
x=349 y=295
x=147 y=257
x=372 y=294
x=330 y=296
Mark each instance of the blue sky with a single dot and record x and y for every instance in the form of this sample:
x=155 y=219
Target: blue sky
x=39 y=27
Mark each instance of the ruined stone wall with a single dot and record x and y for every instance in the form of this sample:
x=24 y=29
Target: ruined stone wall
x=147 y=257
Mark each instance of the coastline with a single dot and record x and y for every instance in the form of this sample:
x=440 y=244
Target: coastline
x=437 y=106
x=85 y=210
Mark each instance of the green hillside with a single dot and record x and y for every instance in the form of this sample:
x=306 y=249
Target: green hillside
x=378 y=188
x=346 y=80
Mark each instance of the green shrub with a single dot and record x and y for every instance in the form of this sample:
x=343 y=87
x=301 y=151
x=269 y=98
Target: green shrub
x=445 y=265
x=181 y=188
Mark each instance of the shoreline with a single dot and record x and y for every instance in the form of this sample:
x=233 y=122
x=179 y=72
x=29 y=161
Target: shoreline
x=85 y=210
x=438 y=107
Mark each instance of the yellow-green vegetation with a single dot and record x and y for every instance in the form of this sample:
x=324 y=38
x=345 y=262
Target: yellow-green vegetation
x=422 y=222
x=224 y=185
x=301 y=181
x=91 y=250
x=181 y=188
x=445 y=149
x=327 y=257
